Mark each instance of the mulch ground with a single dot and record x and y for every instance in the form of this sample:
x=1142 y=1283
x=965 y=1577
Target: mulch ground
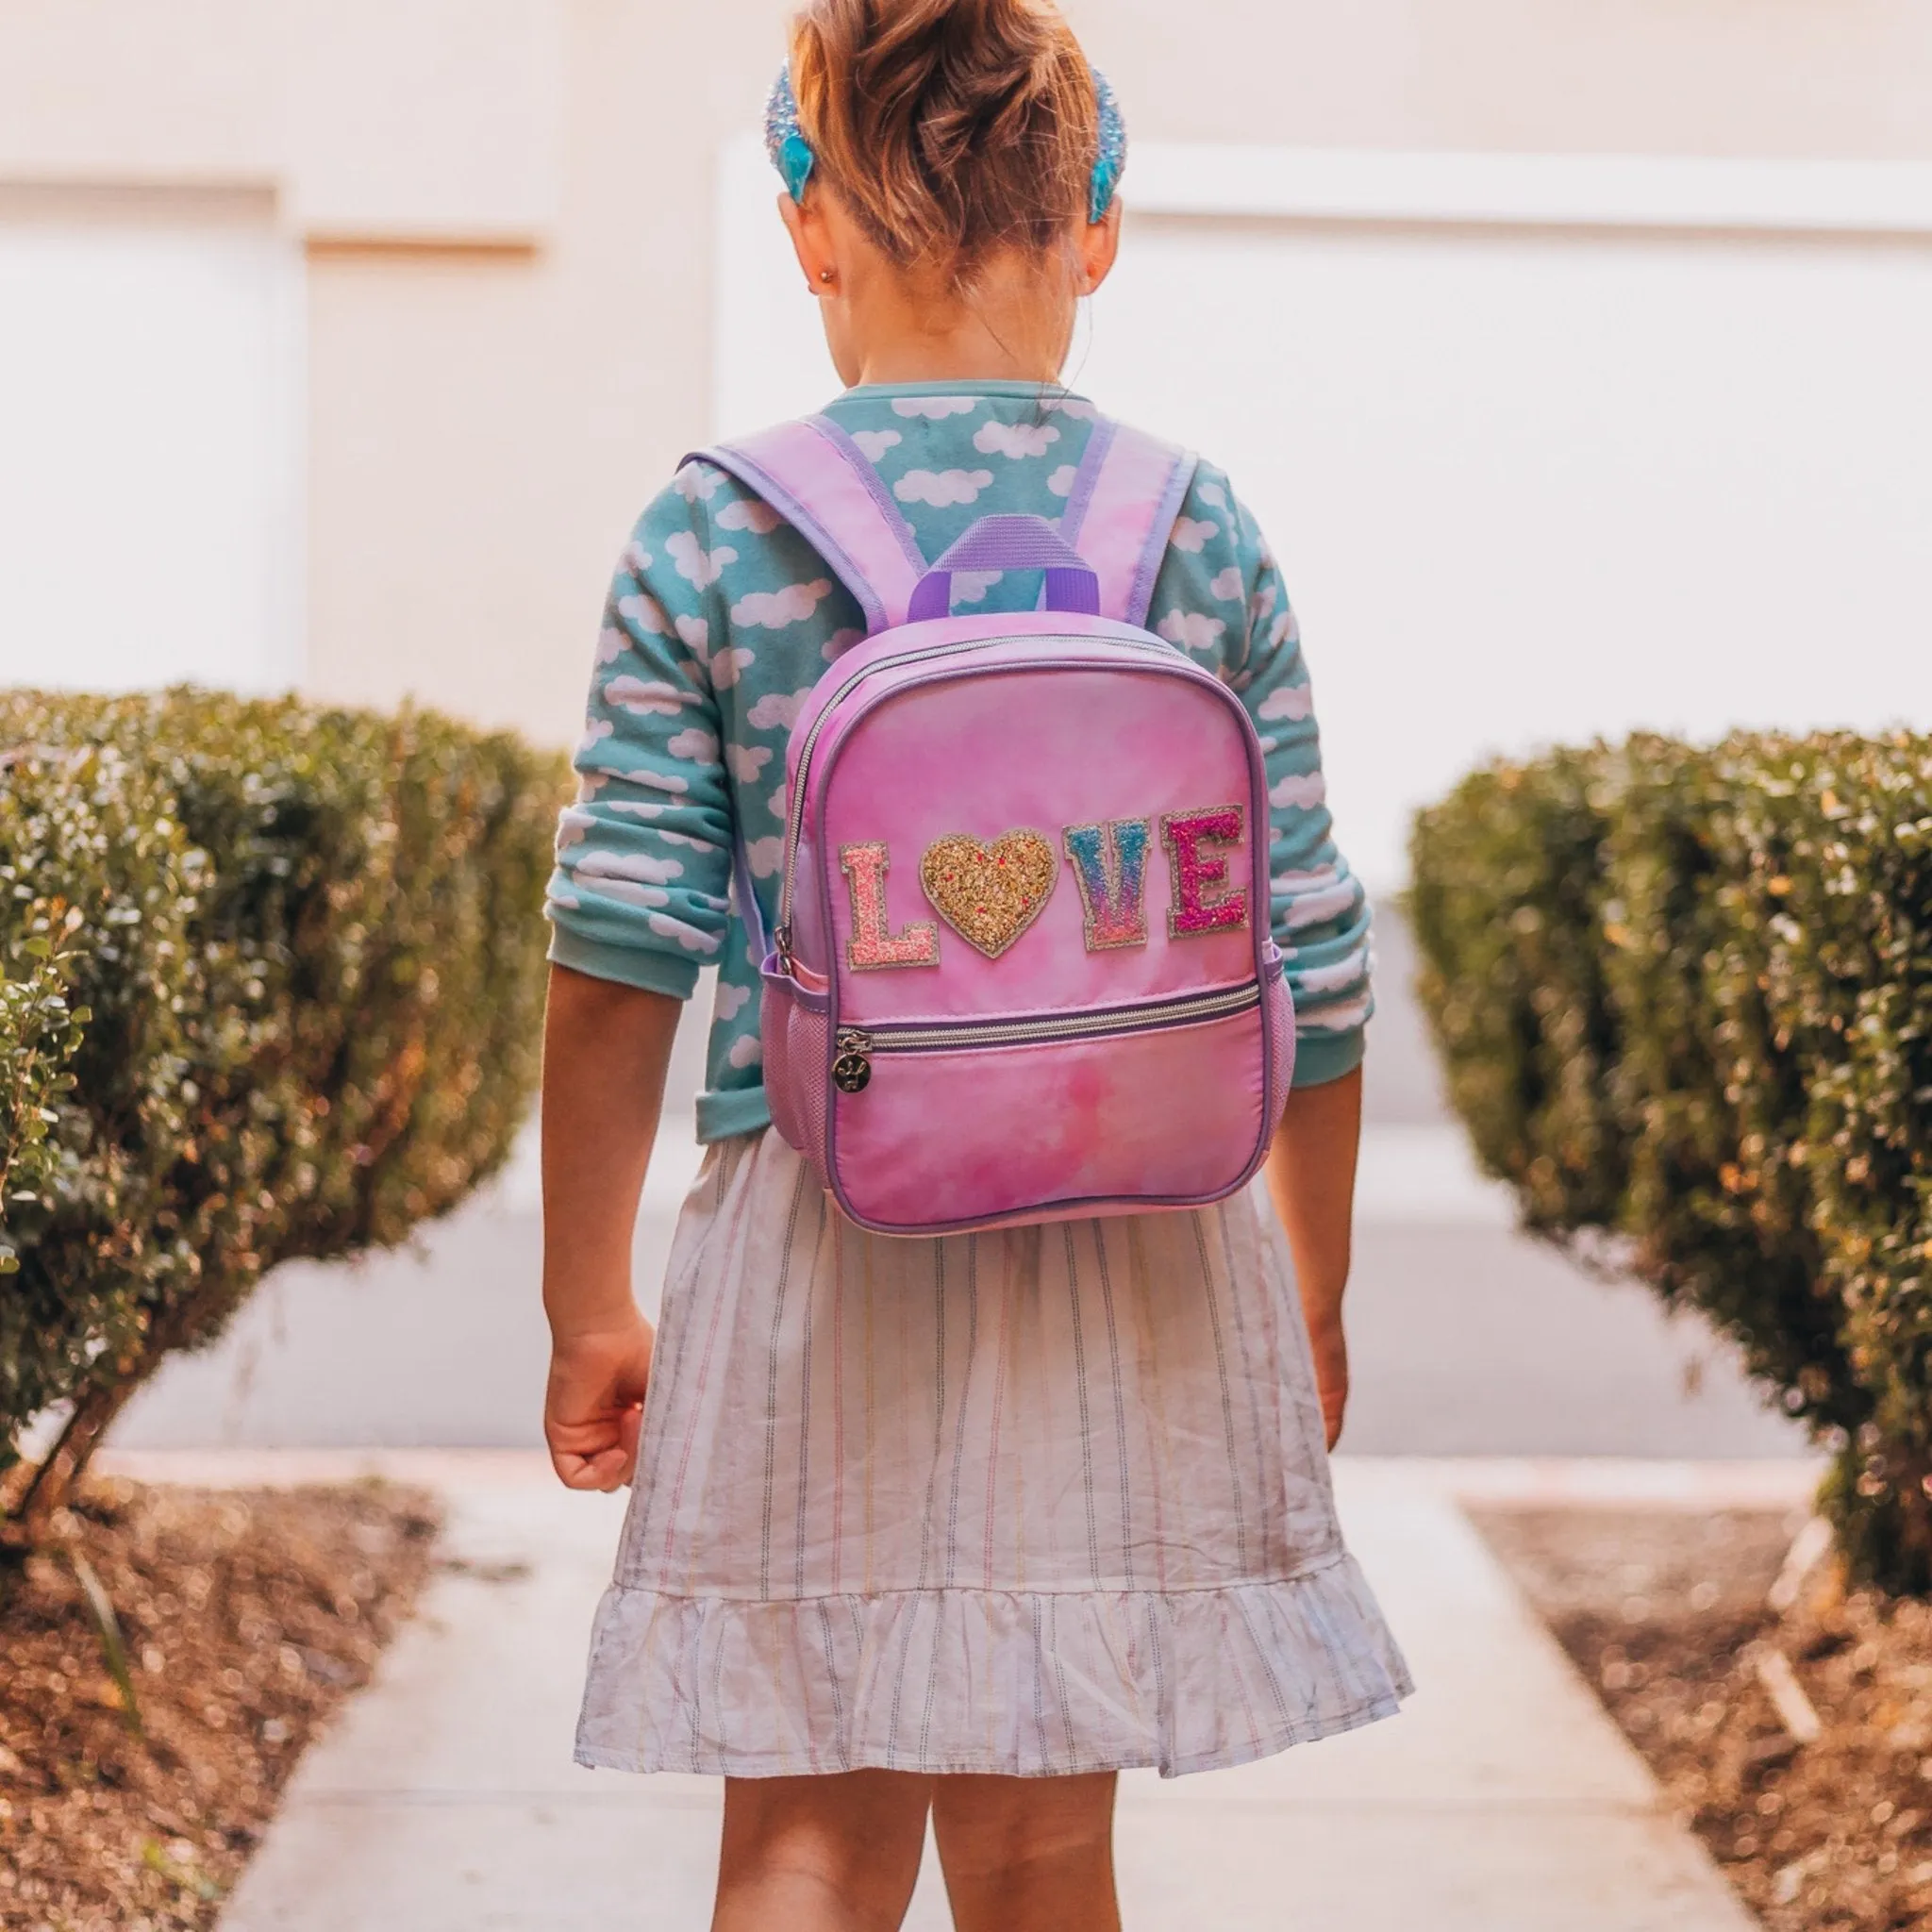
x=1664 y=1614
x=246 y=1619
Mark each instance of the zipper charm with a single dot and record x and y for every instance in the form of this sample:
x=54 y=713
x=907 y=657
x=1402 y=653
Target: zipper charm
x=852 y=1069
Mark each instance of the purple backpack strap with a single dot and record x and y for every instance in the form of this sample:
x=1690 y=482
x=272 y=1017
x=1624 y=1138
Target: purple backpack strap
x=817 y=478
x=1126 y=497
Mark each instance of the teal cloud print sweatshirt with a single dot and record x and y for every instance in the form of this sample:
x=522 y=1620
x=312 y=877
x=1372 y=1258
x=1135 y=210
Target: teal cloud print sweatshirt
x=722 y=618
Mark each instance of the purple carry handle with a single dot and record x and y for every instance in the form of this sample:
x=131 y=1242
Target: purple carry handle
x=1012 y=543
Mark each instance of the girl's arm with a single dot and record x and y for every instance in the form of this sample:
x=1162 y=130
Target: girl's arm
x=638 y=902
x=1320 y=917
x=1312 y=1178
x=606 y=1048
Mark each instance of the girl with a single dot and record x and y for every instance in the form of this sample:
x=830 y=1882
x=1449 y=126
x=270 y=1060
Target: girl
x=955 y=1528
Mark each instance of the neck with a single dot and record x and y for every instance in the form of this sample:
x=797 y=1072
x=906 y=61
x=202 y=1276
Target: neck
x=1005 y=334
x=963 y=356
x=925 y=361
x=969 y=351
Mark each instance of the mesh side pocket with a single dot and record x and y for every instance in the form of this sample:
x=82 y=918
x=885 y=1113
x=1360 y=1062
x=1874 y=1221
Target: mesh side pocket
x=796 y=1068
x=812 y=1084
x=1280 y=1023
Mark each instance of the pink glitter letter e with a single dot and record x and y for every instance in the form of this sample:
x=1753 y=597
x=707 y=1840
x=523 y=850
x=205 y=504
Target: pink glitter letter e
x=1196 y=874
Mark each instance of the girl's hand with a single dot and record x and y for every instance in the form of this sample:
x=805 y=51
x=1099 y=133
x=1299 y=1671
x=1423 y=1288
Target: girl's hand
x=605 y=1050
x=1311 y=1177
x=1330 y=1348
x=595 y=1403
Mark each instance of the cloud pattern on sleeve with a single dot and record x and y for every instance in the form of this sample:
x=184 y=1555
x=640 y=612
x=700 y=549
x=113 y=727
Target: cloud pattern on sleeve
x=643 y=856
x=721 y=619
x=1220 y=596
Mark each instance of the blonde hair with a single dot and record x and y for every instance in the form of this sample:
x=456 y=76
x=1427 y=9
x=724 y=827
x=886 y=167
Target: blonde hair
x=954 y=130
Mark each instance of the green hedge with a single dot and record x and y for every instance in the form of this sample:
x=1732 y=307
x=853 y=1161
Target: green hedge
x=39 y=1033
x=1684 y=999
x=273 y=976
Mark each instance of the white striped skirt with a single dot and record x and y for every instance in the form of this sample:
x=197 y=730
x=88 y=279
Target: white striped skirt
x=1042 y=1501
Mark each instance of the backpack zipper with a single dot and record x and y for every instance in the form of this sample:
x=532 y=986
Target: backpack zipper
x=795 y=818
x=857 y=1045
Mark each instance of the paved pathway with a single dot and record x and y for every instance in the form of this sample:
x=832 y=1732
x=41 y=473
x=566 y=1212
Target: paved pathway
x=1502 y=1800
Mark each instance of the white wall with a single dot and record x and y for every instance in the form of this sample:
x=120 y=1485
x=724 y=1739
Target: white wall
x=1528 y=483
x=151 y=403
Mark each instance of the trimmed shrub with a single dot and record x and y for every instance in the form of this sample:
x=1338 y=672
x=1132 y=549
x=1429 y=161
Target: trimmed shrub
x=39 y=1035
x=273 y=978
x=1683 y=998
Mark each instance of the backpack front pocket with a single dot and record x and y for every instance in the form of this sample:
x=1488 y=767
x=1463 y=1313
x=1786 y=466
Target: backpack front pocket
x=857 y=1045
x=1159 y=1105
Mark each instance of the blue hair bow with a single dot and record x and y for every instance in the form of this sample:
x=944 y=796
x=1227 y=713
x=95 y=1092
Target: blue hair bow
x=793 y=157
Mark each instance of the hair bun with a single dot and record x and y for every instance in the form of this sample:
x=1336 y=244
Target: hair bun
x=952 y=129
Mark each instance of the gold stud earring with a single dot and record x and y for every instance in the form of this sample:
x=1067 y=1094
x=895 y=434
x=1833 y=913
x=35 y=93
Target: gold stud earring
x=828 y=274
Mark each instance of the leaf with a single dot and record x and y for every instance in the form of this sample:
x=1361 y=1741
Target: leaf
x=157 y=1860
x=108 y=1629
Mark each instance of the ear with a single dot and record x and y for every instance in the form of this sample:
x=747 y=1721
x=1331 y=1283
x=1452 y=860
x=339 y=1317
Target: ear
x=810 y=242
x=1100 y=247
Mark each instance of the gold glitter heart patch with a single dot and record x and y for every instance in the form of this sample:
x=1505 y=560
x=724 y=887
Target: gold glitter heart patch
x=989 y=895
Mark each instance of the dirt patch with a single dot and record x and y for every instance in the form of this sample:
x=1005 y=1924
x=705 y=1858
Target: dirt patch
x=246 y=1619
x=1664 y=1614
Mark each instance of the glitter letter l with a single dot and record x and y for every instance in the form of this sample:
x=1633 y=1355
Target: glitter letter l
x=1203 y=900
x=872 y=944
x=1110 y=868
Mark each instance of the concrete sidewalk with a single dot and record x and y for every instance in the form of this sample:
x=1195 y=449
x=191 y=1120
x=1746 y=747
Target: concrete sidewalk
x=1502 y=1800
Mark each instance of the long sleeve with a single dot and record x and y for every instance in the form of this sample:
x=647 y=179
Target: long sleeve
x=643 y=857
x=1321 y=914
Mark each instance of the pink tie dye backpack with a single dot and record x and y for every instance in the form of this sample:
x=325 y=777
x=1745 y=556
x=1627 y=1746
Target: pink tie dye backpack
x=1022 y=970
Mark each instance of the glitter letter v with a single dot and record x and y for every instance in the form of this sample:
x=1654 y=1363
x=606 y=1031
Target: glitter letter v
x=872 y=944
x=1110 y=868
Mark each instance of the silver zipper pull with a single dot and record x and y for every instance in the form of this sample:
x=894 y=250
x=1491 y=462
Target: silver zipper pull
x=852 y=1068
